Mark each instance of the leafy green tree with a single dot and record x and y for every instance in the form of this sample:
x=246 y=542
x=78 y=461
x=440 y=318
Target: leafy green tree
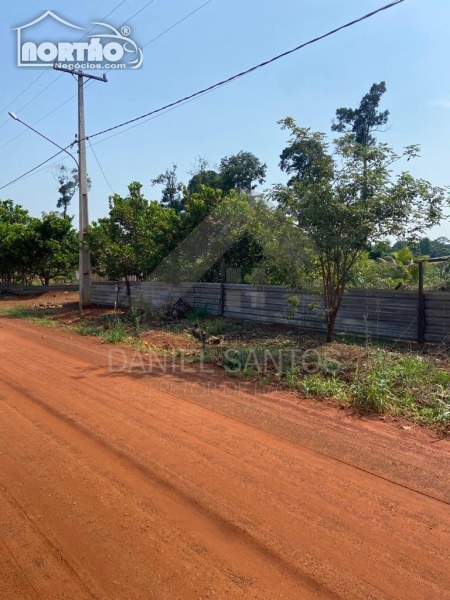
x=286 y=256
x=211 y=225
x=68 y=186
x=133 y=239
x=242 y=172
x=209 y=178
x=14 y=222
x=172 y=196
x=52 y=247
x=424 y=246
x=360 y=123
x=379 y=249
x=11 y=213
x=45 y=247
x=433 y=248
x=349 y=199
x=305 y=158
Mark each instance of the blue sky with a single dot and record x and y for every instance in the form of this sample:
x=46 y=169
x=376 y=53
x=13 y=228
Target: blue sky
x=405 y=46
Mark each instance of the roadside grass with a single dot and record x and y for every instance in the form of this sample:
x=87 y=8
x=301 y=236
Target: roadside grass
x=386 y=383
x=115 y=333
x=392 y=380
x=23 y=312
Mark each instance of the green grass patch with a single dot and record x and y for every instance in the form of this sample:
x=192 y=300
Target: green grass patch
x=34 y=316
x=405 y=385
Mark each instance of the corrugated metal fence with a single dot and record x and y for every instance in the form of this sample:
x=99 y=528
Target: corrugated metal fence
x=377 y=313
x=12 y=288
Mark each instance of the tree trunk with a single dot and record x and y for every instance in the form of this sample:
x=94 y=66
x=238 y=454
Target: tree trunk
x=331 y=322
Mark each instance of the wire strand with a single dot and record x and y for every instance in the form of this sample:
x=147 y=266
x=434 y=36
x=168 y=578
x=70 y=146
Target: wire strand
x=101 y=168
x=37 y=166
x=47 y=70
x=251 y=70
x=187 y=99
x=91 y=82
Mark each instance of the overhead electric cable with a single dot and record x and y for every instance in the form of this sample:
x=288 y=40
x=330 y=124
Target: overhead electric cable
x=90 y=82
x=36 y=167
x=101 y=168
x=47 y=70
x=248 y=71
x=220 y=84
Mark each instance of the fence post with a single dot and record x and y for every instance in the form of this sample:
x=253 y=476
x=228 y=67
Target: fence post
x=422 y=324
x=223 y=280
x=128 y=291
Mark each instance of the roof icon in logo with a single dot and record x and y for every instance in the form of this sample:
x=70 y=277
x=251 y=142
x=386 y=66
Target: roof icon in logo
x=47 y=13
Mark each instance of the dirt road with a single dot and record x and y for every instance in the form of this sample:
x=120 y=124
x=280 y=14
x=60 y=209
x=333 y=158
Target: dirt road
x=131 y=485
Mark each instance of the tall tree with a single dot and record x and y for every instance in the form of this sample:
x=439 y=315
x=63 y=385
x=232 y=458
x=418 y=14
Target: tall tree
x=209 y=178
x=172 y=189
x=133 y=239
x=242 y=172
x=14 y=227
x=53 y=247
x=348 y=199
x=30 y=247
x=68 y=186
x=360 y=123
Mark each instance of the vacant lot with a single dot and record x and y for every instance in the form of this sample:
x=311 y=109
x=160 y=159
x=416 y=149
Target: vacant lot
x=399 y=381
x=123 y=485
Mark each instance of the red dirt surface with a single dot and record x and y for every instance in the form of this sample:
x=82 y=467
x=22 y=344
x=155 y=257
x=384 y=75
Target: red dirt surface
x=132 y=485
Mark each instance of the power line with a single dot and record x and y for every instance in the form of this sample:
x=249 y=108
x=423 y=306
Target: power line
x=47 y=70
x=41 y=119
x=160 y=114
x=176 y=24
x=101 y=168
x=139 y=11
x=167 y=30
x=37 y=166
x=90 y=83
x=251 y=70
x=187 y=99
x=35 y=171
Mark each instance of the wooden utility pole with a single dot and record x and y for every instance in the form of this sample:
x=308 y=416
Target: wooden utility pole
x=85 y=256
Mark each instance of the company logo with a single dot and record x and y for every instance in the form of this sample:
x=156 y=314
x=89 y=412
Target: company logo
x=50 y=39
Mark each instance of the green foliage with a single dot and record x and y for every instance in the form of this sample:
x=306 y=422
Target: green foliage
x=211 y=225
x=287 y=257
x=361 y=122
x=408 y=384
x=207 y=178
x=385 y=382
x=242 y=172
x=342 y=201
x=68 y=186
x=172 y=189
x=318 y=386
x=53 y=247
x=30 y=247
x=134 y=238
x=195 y=315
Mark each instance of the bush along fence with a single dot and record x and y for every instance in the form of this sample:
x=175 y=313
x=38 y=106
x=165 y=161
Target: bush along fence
x=385 y=314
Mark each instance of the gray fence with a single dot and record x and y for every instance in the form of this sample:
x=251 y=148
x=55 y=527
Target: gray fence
x=378 y=313
x=12 y=288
